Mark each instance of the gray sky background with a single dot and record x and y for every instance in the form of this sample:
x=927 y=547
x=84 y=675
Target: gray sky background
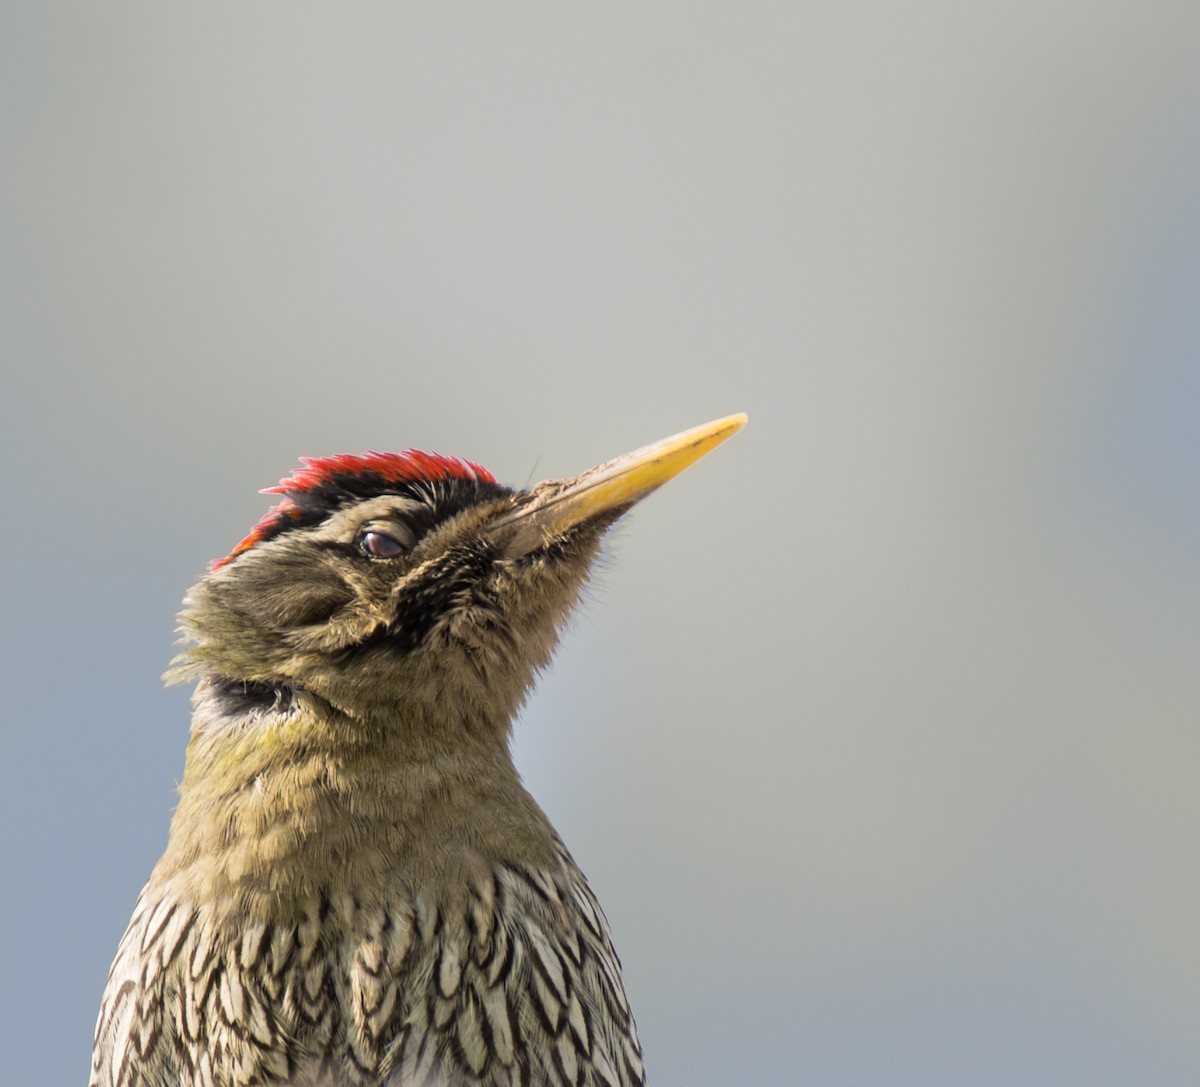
x=878 y=733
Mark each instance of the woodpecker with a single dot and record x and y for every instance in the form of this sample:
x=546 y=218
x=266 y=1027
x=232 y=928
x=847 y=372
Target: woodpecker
x=357 y=890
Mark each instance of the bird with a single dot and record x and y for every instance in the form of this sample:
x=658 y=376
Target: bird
x=357 y=890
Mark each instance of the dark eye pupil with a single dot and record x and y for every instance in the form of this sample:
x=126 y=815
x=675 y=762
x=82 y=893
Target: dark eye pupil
x=379 y=546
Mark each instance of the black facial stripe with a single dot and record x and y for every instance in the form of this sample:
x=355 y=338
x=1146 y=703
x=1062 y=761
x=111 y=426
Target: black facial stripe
x=448 y=496
x=237 y=697
x=438 y=500
x=439 y=589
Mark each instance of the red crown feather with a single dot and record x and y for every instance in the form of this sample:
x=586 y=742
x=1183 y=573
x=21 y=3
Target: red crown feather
x=321 y=473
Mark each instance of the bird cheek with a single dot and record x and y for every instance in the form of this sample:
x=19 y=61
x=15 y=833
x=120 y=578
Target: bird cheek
x=280 y=591
x=350 y=625
x=290 y=609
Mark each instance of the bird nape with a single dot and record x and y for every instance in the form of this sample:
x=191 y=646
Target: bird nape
x=357 y=890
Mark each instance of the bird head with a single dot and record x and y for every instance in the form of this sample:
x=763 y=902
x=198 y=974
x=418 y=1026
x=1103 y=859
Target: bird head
x=409 y=584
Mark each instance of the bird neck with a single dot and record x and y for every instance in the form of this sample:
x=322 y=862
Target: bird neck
x=284 y=795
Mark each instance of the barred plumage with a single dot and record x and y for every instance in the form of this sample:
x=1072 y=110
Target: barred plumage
x=514 y=983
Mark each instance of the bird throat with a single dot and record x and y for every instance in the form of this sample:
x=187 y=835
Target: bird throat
x=284 y=797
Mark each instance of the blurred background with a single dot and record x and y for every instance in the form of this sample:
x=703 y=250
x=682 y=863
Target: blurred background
x=877 y=735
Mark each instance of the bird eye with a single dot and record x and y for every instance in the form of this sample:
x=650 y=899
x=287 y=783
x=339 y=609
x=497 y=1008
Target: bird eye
x=377 y=545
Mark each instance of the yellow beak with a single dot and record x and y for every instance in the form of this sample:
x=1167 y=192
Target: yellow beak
x=560 y=504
